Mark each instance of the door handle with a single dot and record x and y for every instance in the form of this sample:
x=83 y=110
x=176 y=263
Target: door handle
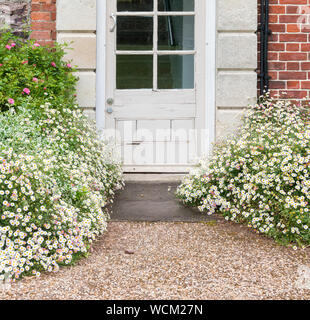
x=113 y=17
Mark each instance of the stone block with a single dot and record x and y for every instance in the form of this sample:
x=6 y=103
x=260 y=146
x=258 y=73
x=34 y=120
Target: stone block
x=236 y=88
x=79 y=15
x=84 y=49
x=237 y=51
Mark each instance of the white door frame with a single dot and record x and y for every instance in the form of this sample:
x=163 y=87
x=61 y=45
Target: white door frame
x=210 y=68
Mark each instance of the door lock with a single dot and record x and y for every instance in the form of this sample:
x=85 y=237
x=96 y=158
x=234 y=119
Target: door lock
x=109 y=110
x=110 y=101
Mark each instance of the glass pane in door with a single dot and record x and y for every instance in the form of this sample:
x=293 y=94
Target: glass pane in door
x=176 y=72
x=176 y=33
x=134 y=72
x=134 y=33
x=176 y=5
x=134 y=5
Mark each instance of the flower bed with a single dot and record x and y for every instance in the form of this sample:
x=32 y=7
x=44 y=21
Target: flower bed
x=261 y=176
x=56 y=175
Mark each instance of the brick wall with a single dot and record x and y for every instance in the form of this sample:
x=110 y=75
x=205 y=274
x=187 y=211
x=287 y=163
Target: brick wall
x=289 y=49
x=43 y=21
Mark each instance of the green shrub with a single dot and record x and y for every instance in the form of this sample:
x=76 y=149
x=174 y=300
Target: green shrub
x=261 y=176
x=56 y=174
x=32 y=73
x=56 y=179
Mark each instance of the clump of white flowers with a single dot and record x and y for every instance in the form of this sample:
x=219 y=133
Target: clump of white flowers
x=261 y=176
x=56 y=179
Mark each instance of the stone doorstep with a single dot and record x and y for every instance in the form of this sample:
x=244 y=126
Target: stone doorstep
x=153 y=202
x=153 y=178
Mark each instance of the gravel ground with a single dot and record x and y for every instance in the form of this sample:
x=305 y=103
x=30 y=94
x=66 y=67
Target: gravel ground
x=216 y=260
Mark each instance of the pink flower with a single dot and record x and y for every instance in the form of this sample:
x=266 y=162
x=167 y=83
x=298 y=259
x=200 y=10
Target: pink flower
x=36 y=44
x=13 y=44
x=26 y=90
x=35 y=79
x=53 y=64
x=69 y=65
x=44 y=88
x=11 y=101
x=1 y=64
x=25 y=62
x=8 y=47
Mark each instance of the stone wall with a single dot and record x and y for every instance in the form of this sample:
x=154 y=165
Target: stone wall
x=80 y=29
x=236 y=61
x=15 y=14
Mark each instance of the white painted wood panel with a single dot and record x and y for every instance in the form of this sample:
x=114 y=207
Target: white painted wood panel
x=160 y=153
x=157 y=130
x=154 y=111
x=185 y=96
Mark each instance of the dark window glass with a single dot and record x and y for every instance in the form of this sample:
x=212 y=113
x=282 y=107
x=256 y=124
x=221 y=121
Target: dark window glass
x=176 y=33
x=134 y=33
x=134 y=72
x=135 y=5
x=176 y=72
x=176 y=5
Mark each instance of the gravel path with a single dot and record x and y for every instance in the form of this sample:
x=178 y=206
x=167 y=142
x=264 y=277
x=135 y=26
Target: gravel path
x=216 y=260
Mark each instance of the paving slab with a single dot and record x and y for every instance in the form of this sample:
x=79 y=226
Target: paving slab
x=154 y=202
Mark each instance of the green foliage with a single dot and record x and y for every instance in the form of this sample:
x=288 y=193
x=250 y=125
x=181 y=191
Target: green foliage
x=261 y=176
x=56 y=179
x=57 y=176
x=24 y=64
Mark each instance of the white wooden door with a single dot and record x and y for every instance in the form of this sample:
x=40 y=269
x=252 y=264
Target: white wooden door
x=155 y=82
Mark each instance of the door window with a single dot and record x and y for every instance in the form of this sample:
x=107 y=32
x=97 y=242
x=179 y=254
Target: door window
x=155 y=44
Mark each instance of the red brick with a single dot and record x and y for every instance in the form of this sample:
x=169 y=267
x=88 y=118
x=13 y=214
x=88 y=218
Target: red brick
x=277 y=85
x=43 y=16
x=43 y=25
x=293 y=85
x=277 y=9
x=292 y=47
x=275 y=65
x=305 y=85
x=293 y=66
x=294 y=37
x=292 y=9
x=292 y=56
x=305 y=66
x=293 y=28
x=292 y=75
x=305 y=47
x=276 y=46
x=293 y=94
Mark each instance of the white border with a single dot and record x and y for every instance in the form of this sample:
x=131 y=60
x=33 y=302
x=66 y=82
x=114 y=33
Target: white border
x=210 y=67
x=101 y=64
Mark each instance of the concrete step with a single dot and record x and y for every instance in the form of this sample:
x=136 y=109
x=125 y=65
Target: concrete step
x=153 y=202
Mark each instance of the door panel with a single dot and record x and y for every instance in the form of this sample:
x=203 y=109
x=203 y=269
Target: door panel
x=153 y=80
